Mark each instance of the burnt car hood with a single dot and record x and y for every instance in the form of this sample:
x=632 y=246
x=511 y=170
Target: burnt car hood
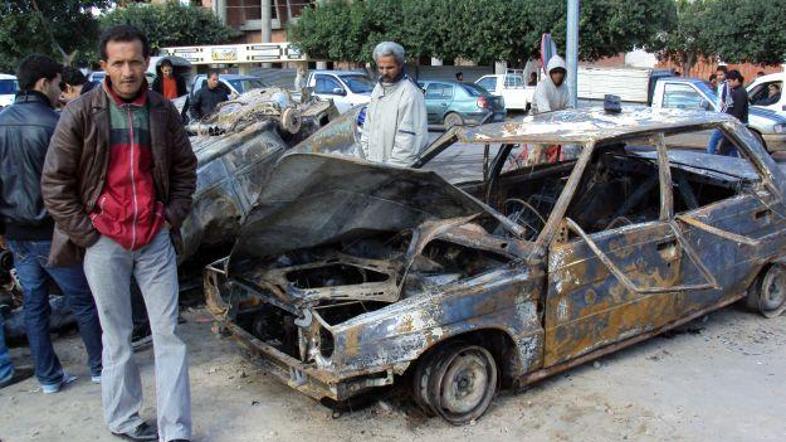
x=314 y=199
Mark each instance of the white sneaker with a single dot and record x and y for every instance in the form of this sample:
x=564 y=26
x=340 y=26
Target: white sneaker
x=54 y=388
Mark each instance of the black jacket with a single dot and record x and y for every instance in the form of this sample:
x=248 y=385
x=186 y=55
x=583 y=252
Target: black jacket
x=25 y=129
x=158 y=85
x=206 y=100
x=739 y=106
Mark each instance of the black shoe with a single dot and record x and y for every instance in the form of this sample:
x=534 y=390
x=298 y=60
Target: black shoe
x=144 y=431
x=20 y=374
x=141 y=336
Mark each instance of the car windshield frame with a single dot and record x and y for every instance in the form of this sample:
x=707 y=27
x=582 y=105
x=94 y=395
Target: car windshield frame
x=351 y=80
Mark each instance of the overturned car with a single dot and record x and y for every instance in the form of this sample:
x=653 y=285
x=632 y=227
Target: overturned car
x=349 y=276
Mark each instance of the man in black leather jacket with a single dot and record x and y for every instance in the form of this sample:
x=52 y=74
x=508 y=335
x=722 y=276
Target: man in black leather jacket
x=212 y=93
x=25 y=129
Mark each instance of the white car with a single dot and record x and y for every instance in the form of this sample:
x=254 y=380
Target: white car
x=8 y=88
x=347 y=89
x=511 y=87
x=759 y=89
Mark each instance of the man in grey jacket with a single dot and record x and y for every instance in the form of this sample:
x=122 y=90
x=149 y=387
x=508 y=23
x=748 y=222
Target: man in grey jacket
x=395 y=130
x=552 y=94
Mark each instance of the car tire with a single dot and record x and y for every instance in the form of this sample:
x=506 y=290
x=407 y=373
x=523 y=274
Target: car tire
x=452 y=119
x=767 y=295
x=457 y=382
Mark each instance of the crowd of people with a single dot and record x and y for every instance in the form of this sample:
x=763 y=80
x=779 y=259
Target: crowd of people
x=91 y=198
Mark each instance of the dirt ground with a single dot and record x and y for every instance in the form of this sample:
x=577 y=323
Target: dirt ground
x=720 y=378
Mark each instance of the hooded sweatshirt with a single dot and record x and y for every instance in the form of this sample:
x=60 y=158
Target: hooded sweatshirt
x=548 y=96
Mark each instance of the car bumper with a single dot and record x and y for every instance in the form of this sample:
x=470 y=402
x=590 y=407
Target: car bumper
x=303 y=377
x=775 y=142
x=474 y=119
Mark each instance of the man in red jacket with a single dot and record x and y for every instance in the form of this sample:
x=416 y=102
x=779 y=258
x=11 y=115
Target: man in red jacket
x=118 y=181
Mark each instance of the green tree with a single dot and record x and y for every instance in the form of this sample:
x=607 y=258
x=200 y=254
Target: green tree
x=172 y=24
x=63 y=29
x=741 y=31
x=479 y=30
x=685 y=42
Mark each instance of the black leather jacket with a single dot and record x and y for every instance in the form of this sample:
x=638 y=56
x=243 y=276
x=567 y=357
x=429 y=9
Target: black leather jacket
x=25 y=129
x=205 y=100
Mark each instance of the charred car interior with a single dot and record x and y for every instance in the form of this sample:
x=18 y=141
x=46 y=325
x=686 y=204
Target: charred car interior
x=349 y=276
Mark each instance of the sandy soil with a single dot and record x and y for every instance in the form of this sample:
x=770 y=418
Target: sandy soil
x=721 y=378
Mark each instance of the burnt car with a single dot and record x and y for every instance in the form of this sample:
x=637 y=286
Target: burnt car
x=349 y=276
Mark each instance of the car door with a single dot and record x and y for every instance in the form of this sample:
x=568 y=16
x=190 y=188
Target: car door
x=328 y=86
x=438 y=99
x=619 y=282
x=738 y=231
x=489 y=83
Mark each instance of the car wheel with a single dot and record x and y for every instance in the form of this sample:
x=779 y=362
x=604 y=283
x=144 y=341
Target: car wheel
x=768 y=294
x=458 y=382
x=453 y=119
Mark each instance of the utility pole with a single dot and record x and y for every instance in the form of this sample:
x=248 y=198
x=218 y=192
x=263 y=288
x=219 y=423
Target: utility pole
x=572 y=50
x=267 y=25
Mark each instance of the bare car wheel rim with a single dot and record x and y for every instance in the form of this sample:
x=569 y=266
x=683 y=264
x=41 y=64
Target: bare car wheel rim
x=773 y=291
x=467 y=385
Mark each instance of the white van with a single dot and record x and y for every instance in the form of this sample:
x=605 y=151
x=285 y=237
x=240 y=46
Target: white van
x=8 y=88
x=758 y=92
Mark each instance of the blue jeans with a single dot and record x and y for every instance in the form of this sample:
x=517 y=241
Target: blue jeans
x=715 y=139
x=6 y=367
x=30 y=260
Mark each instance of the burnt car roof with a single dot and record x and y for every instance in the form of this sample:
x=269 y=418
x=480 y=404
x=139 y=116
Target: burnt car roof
x=582 y=126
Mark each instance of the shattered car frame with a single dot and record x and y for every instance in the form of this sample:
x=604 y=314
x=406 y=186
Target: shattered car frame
x=349 y=276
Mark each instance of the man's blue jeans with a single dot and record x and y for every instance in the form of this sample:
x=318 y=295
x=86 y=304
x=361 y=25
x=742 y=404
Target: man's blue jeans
x=715 y=139
x=6 y=367
x=30 y=260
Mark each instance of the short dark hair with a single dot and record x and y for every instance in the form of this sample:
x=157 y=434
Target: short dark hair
x=35 y=67
x=734 y=74
x=212 y=72
x=713 y=77
x=459 y=74
x=166 y=62
x=722 y=68
x=73 y=77
x=122 y=33
x=760 y=73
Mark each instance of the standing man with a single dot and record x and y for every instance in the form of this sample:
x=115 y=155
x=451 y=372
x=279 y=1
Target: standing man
x=551 y=95
x=118 y=180
x=395 y=130
x=209 y=96
x=167 y=83
x=460 y=77
x=25 y=130
x=739 y=108
x=724 y=102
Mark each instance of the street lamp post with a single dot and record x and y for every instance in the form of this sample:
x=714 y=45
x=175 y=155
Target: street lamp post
x=572 y=50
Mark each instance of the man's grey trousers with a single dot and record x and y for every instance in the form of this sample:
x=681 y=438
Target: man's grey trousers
x=108 y=268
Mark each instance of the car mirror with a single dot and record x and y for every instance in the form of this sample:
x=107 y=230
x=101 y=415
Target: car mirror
x=706 y=105
x=338 y=91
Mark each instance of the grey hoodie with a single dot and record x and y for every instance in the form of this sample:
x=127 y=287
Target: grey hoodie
x=548 y=96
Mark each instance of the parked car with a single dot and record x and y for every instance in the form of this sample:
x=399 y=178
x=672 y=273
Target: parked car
x=691 y=93
x=237 y=84
x=452 y=103
x=348 y=275
x=511 y=87
x=347 y=89
x=758 y=90
x=8 y=88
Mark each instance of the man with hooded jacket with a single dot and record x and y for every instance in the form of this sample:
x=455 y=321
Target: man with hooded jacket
x=551 y=94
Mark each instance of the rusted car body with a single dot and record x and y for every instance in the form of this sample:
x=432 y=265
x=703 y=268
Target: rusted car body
x=349 y=275
x=236 y=147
